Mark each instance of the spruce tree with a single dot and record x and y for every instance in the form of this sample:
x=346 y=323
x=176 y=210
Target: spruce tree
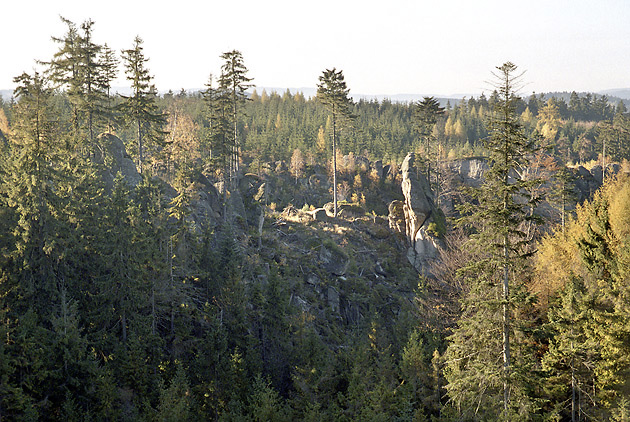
x=77 y=66
x=109 y=63
x=476 y=384
x=33 y=189
x=220 y=134
x=234 y=82
x=140 y=107
x=426 y=114
x=332 y=91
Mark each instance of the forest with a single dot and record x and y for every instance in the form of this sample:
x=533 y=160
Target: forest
x=231 y=254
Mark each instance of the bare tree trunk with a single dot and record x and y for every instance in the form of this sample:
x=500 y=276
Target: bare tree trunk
x=140 y=159
x=506 y=330
x=334 y=145
x=506 y=295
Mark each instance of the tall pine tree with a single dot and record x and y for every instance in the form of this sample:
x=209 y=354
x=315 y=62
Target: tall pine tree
x=234 y=82
x=480 y=386
x=332 y=91
x=140 y=107
x=79 y=68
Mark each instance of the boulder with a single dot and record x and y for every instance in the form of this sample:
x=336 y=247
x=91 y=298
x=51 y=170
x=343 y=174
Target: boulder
x=205 y=209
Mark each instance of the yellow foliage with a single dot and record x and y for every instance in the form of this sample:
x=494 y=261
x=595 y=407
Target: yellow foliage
x=458 y=129
x=619 y=209
x=321 y=140
x=556 y=262
x=4 y=123
x=527 y=116
x=559 y=259
x=358 y=181
x=448 y=127
x=549 y=120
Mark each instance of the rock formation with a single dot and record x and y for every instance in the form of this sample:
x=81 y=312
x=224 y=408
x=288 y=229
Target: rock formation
x=113 y=155
x=418 y=212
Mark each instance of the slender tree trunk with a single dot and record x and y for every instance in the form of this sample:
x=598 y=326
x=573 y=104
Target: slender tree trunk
x=506 y=290
x=563 y=206
x=334 y=145
x=236 y=169
x=573 y=395
x=172 y=284
x=429 y=160
x=506 y=329
x=140 y=158
x=604 y=161
x=437 y=177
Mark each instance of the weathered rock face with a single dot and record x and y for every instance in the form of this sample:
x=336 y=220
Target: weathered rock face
x=417 y=214
x=469 y=170
x=113 y=155
x=418 y=197
x=206 y=205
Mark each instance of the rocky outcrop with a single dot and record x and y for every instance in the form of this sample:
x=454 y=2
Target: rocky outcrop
x=205 y=205
x=418 y=198
x=112 y=154
x=416 y=212
x=469 y=171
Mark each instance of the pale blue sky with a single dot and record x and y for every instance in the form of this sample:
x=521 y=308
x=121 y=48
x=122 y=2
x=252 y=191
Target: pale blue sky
x=384 y=47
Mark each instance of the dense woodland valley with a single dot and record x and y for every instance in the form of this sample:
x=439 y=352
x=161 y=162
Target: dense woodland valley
x=180 y=256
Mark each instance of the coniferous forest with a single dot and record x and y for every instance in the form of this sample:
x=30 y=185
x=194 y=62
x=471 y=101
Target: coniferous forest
x=235 y=254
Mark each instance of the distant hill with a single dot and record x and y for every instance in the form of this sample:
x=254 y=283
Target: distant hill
x=623 y=93
x=613 y=95
x=396 y=98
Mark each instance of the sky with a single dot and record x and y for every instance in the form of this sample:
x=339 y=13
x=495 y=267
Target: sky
x=384 y=47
